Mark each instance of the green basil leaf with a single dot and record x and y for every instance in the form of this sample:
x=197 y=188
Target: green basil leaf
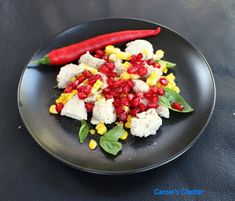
x=109 y=141
x=172 y=97
x=168 y=63
x=163 y=101
x=83 y=132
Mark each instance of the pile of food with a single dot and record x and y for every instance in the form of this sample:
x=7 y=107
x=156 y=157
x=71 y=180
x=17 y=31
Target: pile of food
x=130 y=89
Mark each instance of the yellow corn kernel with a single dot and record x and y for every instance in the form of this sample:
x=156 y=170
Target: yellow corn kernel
x=124 y=136
x=128 y=124
x=165 y=70
x=101 y=128
x=92 y=131
x=124 y=55
x=98 y=97
x=110 y=49
x=159 y=85
x=171 y=76
x=92 y=144
x=126 y=64
x=134 y=76
x=126 y=109
x=159 y=54
x=52 y=109
x=145 y=51
x=96 y=86
x=176 y=89
x=91 y=69
x=119 y=123
x=163 y=64
x=85 y=81
x=152 y=80
x=129 y=117
x=72 y=79
x=125 y=76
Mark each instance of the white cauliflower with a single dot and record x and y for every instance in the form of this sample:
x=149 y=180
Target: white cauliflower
x=103 y=111
x=104 y=80
x=163 y=111
x=89 y=60
x=140 y=46
x=146 y=123
x=140 y=86
x=118 y=64
x=66 y=73
x=75 y=108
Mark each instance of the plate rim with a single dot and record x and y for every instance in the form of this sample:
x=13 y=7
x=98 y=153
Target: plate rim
x=119 y=172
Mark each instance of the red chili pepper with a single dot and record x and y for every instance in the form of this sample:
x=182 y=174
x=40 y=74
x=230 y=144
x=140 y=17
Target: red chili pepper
x=72 y=52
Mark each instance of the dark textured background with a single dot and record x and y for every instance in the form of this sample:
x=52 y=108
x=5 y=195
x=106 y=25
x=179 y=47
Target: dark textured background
x=27 y=173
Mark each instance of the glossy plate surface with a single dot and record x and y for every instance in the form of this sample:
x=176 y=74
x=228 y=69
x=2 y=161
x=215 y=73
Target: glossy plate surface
x=58 y=135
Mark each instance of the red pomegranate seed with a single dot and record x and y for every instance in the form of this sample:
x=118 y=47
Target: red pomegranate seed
x=81 y=88
x=132 y=70
x=154 y=99
x=119 y=83
x=157 y=65
x=139 y=95
x=150 y=62
x=59 y=107
x=98 y=77
x=142 y=71
x=148 y=95
x=119 y=110
x=123 y=117
x=81 y=95
x=133 y=58
x=68 y=89
x=81 y=78
x=126 y=89
x=163 y=81
x=139 y=57
x=135 y=102
x=91 y=81
x=100 y=53
x=177 y=106
x=97 y=56
x=153 y=105
x=110 y=65
x=118 y=90
x=104 y=69
x=125 y=101
x=108 y=96
x=87 y=74
x=134 y=112
x=89 y=106
x=130 y=83
x=153 y=89
x=106 y=90
x=160 y=92
x=106 y=57
x=130 y=97
x=87 y=90
x=142 y=107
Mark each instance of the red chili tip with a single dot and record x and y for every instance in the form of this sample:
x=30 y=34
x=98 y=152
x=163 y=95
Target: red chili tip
x=158 y=30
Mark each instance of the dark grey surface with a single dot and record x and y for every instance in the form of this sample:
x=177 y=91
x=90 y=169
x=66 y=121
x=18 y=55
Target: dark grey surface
x=28 y=173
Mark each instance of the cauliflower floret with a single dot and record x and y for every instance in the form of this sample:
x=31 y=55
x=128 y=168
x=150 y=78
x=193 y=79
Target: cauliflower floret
x=89 y=60
x=104 y=80
x=118 y=64
x=152 y=69
x=140 y=86
x=75 y=108
x=146 y=123
x=91 y=98
x=163 y=111
x=140 y=46
x=103 y=111
x=66 y=73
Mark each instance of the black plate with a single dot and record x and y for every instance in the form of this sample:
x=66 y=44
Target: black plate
x=58 y=135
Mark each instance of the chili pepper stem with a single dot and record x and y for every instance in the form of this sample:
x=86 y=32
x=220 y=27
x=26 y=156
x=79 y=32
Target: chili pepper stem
x=44 y=60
